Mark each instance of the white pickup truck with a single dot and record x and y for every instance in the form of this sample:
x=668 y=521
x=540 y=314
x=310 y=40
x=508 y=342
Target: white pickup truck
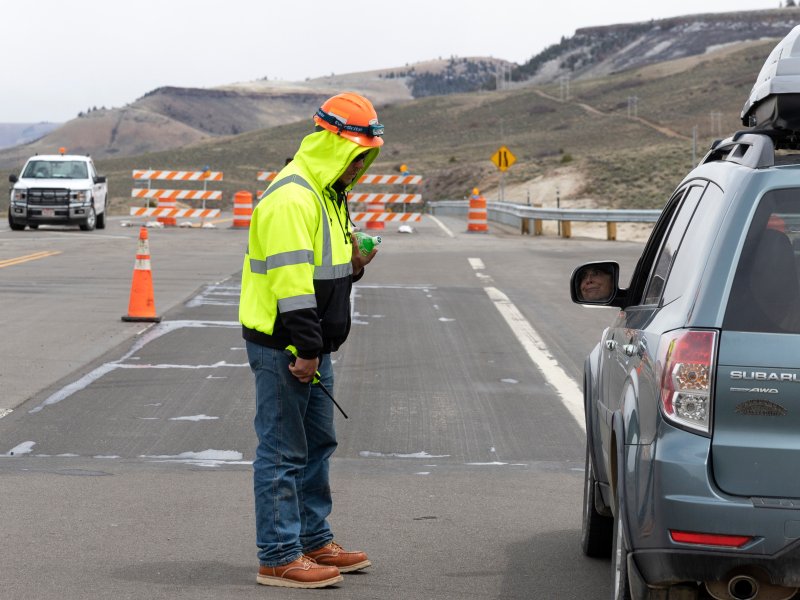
x=59 y=189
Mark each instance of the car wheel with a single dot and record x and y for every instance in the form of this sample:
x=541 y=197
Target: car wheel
x=619 y=558
x=13 y=225
x=101 y=218
x=597 y=530
x=91 y=220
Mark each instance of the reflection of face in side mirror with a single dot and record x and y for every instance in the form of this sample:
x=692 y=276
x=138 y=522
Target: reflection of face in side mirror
x=595 y=285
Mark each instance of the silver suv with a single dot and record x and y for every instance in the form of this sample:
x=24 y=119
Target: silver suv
x=692 y=395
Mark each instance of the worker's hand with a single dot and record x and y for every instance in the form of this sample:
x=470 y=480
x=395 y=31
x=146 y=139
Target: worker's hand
x=304 y=369
x=359 y=260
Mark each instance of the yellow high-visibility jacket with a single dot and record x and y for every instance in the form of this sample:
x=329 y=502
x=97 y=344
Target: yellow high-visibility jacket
x=297 y=273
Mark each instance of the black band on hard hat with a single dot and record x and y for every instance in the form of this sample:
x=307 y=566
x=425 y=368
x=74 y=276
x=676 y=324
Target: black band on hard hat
x=372 y=130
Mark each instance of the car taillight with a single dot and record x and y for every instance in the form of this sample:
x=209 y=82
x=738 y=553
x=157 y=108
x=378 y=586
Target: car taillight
x=709 y=539
x=686 y=360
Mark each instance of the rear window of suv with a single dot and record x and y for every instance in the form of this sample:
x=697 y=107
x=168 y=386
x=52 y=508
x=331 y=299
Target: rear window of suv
x=765 y=296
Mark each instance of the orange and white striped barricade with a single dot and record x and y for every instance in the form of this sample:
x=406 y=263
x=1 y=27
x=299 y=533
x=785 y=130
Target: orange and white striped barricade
x=375 y=214
x=376 y=204
x=242 y=209
x=477 y=221
x=382 y=217
x=167 y=209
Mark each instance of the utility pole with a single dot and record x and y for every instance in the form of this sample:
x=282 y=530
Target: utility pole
x=633 y=106
x=716 y=124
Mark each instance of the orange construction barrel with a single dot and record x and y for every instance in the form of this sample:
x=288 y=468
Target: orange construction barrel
x=242 y=209
x=476 y=217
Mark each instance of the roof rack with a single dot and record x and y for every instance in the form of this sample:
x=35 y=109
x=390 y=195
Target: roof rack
x=747 y=148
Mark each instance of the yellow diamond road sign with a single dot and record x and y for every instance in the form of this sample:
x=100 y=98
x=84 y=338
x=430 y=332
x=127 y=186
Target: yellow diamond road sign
x=503 y=158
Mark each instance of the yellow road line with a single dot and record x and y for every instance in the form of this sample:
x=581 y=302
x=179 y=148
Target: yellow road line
x=22 y=259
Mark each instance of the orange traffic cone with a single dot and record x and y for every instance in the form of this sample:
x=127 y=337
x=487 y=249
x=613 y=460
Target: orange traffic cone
x=142 y=305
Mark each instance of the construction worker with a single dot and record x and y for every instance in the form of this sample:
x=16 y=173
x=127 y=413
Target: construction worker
x=301 y=262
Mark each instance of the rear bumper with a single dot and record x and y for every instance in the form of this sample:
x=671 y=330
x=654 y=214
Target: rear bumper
x=670 y=487
x=671 y=566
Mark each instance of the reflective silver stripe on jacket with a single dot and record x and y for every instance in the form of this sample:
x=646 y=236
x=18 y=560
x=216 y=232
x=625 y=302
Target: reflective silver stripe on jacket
x=295 y=257
x=326 y=270
x=297 y=302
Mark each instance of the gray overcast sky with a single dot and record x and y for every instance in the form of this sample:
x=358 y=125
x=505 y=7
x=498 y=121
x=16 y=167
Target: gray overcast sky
x=60 y=57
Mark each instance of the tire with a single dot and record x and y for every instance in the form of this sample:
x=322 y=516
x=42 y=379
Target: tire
x=619 y=557
x=33 y=225
x=101 y=218
x=597 y=531
x=13 y=225
x=90 y=222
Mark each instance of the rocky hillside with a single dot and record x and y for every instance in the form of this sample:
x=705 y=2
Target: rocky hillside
x=599 y=51
x=172 y=117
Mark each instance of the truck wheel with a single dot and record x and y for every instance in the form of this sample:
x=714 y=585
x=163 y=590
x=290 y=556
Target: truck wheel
x=13 y=225
x=91 y=220
x=101 y=218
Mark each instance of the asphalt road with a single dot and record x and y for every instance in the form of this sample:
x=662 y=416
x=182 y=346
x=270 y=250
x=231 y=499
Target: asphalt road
x=459 y=471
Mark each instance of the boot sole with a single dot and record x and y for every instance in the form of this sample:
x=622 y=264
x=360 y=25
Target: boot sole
x=356 y=567
x=289 y=583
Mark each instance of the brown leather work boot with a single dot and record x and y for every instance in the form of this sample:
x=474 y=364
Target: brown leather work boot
x=300 y=573
x=332 y=554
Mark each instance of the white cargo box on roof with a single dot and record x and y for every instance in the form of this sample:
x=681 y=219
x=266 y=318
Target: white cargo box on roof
x=774 y=101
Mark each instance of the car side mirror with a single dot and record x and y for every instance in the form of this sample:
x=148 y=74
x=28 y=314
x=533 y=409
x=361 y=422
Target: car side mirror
x=596 y=284
x=100 y=179
x=13 y=178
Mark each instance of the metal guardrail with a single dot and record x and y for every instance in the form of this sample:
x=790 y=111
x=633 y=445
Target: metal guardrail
x=521 y=215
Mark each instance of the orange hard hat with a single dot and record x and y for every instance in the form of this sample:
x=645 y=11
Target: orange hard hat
x=351 y=116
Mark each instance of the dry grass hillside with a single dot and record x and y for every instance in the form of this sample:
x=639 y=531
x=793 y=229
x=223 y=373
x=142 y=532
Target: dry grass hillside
x=593 y=145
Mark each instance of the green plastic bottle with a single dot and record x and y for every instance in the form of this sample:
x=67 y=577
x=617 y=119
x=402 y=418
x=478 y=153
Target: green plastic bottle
x=366 y=242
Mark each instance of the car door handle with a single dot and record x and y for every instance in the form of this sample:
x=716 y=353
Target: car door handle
x=610 y=344
x=630 y=349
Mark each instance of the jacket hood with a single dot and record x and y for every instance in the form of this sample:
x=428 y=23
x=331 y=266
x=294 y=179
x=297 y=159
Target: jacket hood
x=327 y=155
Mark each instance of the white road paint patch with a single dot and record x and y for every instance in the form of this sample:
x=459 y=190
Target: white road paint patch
x=205 y=458
x=154 y=404
x=442 y=226
x=509 y=380
x=238 y=348
x=445 y=320
x=150 y=334
x=569 y=392
x=4 y=412
x=194 y=418
x=20 y=449
x=216 y=295
x=106 y=456
x=423 y=454
x=67 y=455
x=217 y=377
x=476 y=263
x=423 y=473
x=486 y=464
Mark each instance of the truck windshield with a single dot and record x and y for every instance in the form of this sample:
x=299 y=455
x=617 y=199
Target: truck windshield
x=62 y=169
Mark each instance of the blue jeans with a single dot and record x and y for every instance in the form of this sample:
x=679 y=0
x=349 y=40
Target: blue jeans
x=296 y=438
